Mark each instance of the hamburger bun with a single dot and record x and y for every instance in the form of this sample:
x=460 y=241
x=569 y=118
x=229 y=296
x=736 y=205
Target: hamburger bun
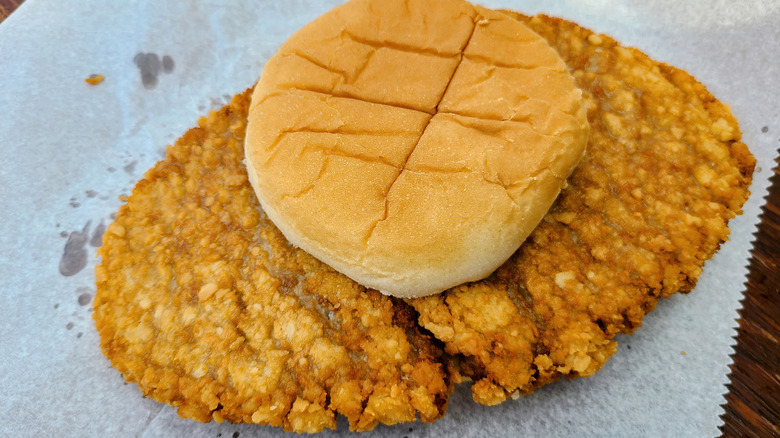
x=413 y=145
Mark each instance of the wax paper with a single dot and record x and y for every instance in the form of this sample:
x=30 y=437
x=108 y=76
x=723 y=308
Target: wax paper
x=70 y=149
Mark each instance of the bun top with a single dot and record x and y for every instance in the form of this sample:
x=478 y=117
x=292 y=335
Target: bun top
x=413 y=145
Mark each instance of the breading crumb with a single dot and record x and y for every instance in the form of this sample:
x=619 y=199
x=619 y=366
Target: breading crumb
x=94 y=79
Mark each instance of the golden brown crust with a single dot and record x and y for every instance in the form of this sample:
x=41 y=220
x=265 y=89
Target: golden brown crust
x=649 y=203
x=204 y=304
x=413 y=159
x=639 y=219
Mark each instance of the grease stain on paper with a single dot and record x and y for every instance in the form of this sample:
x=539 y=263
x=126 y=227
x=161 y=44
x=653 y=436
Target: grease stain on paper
x=74 y=255
x=130 y=168
x=150 y=66
x=97 y=235
x=84 y=299
x=85 y=295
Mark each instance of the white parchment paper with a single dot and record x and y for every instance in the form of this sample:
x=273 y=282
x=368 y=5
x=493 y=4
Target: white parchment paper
x=70 y=149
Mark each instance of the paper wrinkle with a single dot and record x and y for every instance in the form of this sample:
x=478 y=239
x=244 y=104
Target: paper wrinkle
x=61 y=135
x=150 y=419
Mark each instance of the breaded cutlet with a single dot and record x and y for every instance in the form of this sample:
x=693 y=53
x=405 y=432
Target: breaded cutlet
x=206 y=307
x=204 y=304
x=663 y=173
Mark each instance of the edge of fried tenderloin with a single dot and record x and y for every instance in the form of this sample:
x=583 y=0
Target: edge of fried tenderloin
x=546 y=347
x=131 y=345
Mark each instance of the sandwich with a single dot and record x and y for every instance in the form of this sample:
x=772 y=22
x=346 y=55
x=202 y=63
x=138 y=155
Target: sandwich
x=415 y=194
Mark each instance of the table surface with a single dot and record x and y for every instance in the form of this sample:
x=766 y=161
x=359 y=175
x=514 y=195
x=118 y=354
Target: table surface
x=753 y=402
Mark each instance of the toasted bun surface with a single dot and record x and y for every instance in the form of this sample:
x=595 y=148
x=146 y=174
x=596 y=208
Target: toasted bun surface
x=413 y=145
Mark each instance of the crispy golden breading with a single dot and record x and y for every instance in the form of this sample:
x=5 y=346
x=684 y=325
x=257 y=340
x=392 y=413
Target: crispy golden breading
x=203 y=303
x=649 y=203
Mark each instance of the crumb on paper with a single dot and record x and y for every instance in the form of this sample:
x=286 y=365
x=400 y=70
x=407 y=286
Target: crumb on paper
x=94 y=79
x=683 y=353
